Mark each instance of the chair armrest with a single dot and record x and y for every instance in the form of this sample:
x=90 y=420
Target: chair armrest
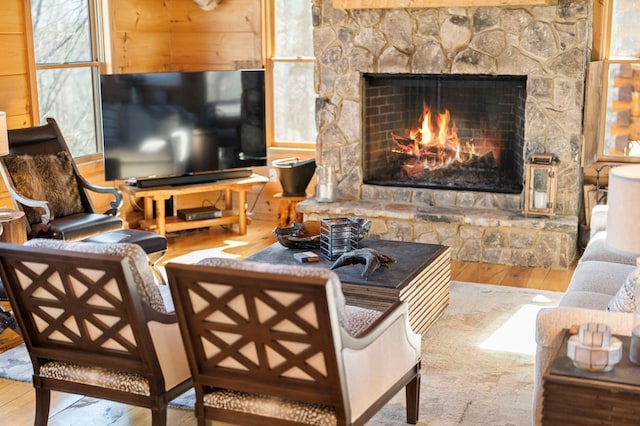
x=157 y=316
x=167 y=342
x=17 y=197
x=116 y=203
x=389 y=338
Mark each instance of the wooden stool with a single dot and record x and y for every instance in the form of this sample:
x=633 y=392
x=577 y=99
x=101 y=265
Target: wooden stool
x=287 y=211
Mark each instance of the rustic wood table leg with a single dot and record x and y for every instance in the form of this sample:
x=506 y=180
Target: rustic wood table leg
x=242 y=211
x=160 y=216
x=148 y=209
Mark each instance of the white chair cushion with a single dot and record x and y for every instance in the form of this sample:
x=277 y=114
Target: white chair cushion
x=359 y=319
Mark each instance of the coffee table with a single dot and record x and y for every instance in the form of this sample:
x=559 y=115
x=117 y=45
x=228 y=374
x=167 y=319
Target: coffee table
x=420 y=277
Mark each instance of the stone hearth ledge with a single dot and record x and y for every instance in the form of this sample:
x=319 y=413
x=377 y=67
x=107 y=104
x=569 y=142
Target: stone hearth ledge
x=490 y=235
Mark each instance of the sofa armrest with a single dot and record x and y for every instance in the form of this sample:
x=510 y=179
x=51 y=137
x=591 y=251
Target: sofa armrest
x=549 y=325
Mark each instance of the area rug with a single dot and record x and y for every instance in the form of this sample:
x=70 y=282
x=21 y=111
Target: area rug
x=477 y=363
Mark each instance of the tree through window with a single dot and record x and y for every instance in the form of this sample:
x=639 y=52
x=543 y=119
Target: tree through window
x=67 y=69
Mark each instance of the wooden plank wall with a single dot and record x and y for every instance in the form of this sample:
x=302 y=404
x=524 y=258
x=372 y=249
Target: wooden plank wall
x=15 y=79
x=176 y=35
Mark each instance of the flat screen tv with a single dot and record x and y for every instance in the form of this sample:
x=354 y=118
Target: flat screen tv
x=181 y=123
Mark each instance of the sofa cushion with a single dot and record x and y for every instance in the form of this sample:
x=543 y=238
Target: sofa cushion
x=599 y=277
x=597 y=250
x=585 y=300
x=46 y=177
x=139 y=265
x=594 y=283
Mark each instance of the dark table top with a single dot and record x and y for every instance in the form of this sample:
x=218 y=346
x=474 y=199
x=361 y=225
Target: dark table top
x=410 y=259
x=624 y=372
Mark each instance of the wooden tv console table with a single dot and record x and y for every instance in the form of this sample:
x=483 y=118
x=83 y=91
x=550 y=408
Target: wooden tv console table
x=162 y=224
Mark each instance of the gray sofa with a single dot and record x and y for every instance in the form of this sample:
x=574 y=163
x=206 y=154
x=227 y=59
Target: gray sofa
x=597 y=279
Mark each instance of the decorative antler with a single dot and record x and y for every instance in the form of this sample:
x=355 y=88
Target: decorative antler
x=207 y=4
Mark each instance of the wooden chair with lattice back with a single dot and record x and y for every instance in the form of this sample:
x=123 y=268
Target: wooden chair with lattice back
x=94 y=323
x=276 y=345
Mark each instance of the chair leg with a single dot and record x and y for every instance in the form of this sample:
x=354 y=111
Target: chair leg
x=159 y=416
x=43 y=402
x=412 y=391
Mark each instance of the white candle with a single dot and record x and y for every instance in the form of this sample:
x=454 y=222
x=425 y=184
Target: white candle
x=539 y=199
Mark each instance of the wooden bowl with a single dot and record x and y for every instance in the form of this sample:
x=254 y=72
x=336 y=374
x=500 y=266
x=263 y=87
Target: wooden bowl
x=305 y=235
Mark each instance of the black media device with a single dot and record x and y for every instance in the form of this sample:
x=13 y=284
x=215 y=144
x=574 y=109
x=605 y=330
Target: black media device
x=199 y=213
x=180 y=128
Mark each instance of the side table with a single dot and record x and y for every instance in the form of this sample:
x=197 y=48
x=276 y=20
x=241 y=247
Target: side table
x=14 y=230
x=577 y=397
x=14 y=226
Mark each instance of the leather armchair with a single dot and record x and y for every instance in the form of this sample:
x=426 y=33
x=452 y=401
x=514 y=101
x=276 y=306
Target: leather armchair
x=39 y=163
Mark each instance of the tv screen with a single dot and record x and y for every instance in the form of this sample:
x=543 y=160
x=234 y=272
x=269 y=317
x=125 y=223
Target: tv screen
x=179 y=123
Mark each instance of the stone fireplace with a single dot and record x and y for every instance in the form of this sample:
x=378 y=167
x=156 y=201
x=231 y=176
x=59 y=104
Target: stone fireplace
x=545 y=47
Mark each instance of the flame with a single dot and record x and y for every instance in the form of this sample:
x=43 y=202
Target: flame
x=433 y=143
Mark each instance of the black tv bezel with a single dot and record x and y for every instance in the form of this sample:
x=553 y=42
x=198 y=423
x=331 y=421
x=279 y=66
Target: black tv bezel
x=240 y=160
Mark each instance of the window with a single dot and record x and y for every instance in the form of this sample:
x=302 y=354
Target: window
x=64 y=37
x=625 y=37
x=291 y=67
x=612 y=100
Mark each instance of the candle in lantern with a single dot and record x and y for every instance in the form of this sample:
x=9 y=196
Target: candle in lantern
x=540 y=199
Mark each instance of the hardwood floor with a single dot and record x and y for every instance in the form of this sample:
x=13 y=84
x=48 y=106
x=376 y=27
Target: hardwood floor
x=17 y=403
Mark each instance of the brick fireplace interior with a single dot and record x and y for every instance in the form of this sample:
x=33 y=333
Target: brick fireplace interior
x=444 y=131
x=543 y=50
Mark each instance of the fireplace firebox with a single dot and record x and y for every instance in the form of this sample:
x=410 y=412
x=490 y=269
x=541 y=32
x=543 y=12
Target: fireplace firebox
x=457 y=132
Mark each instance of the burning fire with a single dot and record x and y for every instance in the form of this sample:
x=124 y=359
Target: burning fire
x=433 y=144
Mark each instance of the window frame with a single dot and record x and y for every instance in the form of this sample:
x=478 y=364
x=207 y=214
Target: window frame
x=270 y=60
x=94 y=65
x=596 y=90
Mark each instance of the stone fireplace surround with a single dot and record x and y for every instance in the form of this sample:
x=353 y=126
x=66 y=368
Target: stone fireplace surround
x=549 y=44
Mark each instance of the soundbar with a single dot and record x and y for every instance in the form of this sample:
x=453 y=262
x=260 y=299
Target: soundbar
x=190 y=179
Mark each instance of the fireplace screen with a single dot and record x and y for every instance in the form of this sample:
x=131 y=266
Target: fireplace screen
x=445 y=131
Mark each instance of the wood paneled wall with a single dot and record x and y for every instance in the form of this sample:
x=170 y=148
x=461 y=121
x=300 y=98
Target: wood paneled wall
x=16 y=76
x=16 y=71
x=176 y=35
